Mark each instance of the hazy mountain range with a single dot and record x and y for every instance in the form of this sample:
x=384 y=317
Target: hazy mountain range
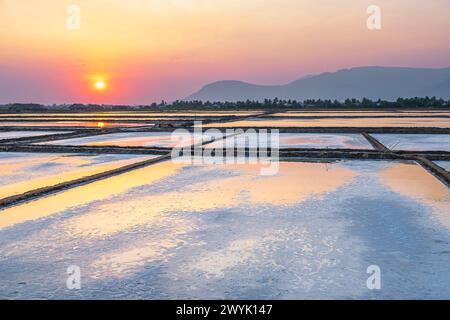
x=386 y=83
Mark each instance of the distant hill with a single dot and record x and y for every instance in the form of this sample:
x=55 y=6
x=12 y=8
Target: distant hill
x=387 y=83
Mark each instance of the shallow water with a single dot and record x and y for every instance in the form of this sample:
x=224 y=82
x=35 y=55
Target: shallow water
x=295 y=140
x=360 y=113
x=22 y=172
x=111 y=119
x=415 y=142
x=23 y=134
x=93 y=119
x=73 y=124
x=362 y=122
x=444 y=164
x=131 y=114
x=209 y=231
x=136 y=139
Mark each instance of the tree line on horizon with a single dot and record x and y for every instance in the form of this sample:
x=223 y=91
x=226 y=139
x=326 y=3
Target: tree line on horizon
x=417 y=102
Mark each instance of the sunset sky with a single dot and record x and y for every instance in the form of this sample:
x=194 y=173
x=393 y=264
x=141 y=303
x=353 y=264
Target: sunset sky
x=140 y=51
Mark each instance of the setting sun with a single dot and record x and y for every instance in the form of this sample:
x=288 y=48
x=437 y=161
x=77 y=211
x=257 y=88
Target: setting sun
x=100 y=85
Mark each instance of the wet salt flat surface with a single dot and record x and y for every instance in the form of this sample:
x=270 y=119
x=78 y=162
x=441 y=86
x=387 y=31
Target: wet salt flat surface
x=361 y=122
x=131 y=114
x=111 y=118
x=22 y=172
x=73 y=124
x=181 y=231
x=360 y=113
x=444 y=164
x=415 y=142
x=23 y=134
x=296 y=140
x=136 y=139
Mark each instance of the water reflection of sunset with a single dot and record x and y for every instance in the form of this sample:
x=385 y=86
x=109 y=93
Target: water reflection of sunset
x=22 y=176
x=414 y=182
x=96 y=191
x=300 y=181
x=227 y=224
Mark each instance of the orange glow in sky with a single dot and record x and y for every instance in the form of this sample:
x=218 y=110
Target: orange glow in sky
x=148 y=50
